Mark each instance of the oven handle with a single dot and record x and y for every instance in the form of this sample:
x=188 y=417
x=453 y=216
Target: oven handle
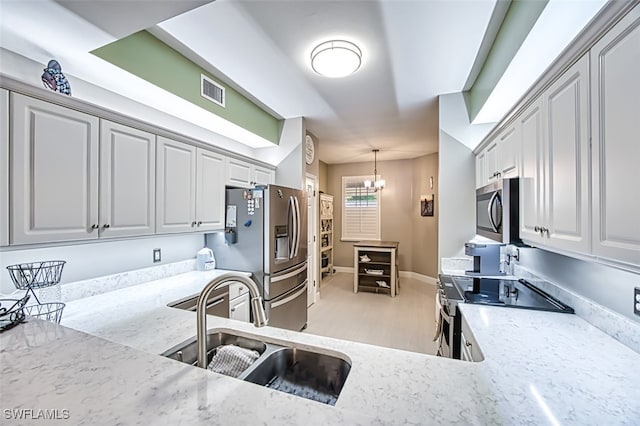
x=292 y=297
x=489 y=211
x=441 y=317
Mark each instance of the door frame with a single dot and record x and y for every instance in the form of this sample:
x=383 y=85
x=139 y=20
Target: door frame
x=313 y=289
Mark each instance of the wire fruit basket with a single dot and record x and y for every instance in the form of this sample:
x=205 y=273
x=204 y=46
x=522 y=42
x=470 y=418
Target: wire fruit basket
x=46 y=311
x=12 y=312
x=27 y=276
x=41 y=276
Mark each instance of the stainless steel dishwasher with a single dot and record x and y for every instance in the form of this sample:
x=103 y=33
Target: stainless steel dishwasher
x=218 y=303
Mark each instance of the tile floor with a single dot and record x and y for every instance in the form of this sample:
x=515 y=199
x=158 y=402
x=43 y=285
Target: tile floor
x=405 y=322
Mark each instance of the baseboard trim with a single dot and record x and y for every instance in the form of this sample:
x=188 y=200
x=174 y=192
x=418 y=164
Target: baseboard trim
x=347 y=269
x=420 y=277
x=403 y=274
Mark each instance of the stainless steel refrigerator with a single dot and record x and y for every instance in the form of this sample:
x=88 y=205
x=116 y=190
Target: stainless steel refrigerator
x=266 y=234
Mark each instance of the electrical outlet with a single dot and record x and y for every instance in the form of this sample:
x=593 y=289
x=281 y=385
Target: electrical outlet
x=156 y=255
x=636 y=301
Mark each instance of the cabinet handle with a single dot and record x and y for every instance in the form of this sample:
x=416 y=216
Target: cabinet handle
x=537 y=229
x=233 y=309
x=95 y=226
x=468 y=344
x=106 y=225
x=193 y=223
x=199 y=223
x=544 y=230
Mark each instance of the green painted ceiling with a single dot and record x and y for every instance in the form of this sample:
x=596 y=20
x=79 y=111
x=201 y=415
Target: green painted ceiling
x=147 y=57
x=518 y=22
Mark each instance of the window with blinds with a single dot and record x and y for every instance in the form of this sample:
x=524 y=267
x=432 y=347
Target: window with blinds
x=360 y=210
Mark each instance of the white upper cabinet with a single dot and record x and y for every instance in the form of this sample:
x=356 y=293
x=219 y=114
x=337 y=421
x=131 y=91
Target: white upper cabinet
x=190 y=195
x=480 y=173
x=554 y=190
x=567 y=203
x=246 y=175
x=176 y=182
x=491 y=162
x=4 y=167
x=127 y=181
x=238 y=173
x=501 y=156
x=210 y=207
x=615 y=100
x=262 y=175
x=531 y=173
x=54 y=174
x=509 y=151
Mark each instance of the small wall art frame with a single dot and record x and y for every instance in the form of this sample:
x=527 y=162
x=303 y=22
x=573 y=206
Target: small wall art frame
x=427 y=206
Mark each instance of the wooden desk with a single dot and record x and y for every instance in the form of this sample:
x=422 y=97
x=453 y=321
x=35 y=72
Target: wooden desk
x=380 y=256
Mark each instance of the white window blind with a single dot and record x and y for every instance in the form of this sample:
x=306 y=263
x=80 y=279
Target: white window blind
x=360 y=210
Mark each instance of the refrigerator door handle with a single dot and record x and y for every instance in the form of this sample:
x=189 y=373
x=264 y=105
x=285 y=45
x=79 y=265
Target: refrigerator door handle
x=288 y=275
x=294 y=229
x=298 y=233
x=292 y=297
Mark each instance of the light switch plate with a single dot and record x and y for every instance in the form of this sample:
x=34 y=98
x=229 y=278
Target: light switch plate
x=636 y=301
x=156 y=255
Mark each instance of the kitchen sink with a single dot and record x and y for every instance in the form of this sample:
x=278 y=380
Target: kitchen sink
x=187 y=351
x=301 y=372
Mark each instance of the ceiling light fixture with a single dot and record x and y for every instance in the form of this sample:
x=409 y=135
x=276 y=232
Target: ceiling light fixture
x=376 y=183
x=336 y=58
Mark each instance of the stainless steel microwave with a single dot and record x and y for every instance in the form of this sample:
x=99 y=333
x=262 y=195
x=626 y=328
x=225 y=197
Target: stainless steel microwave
x=497 y=211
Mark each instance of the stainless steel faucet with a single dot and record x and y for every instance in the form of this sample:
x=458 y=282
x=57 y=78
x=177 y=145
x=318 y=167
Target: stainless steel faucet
x=259 y=315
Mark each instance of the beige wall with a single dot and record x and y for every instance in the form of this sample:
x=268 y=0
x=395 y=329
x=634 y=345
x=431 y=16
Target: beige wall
x=322 y=177
x=400 y=214
x=425 y=228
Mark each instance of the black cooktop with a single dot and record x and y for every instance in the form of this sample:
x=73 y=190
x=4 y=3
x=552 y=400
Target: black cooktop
x=509 y=293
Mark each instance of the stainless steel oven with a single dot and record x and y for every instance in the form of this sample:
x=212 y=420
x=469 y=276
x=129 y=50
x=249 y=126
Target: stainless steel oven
x=499 y=293
x=497 y=211
x=448 y=327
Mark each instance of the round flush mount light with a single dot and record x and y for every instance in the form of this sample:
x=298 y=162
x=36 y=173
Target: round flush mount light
x=336 y=58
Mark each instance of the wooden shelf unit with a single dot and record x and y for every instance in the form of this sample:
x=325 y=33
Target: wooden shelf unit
x=326 y=234
x=382 y=255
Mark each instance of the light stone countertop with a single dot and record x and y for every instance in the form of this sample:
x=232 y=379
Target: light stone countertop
x=104 y=367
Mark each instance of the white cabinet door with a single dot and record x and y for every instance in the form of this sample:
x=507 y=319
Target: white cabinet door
x=615 y=94
x=239 y=308
x=176 y=183
x=567 y=160
x=509 y=150
x=491 y=162
x=239 y=173
x=127 y=181
x=481 y=179
x=262 y=175
x=54 y=178
x=531 y=172
x=246 y=175
x=4 y=167
x=210 y=190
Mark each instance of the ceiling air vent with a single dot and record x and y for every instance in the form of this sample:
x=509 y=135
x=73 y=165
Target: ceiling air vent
x=211 y=90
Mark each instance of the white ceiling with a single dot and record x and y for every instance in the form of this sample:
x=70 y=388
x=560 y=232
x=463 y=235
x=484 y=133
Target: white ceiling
x=413 y=51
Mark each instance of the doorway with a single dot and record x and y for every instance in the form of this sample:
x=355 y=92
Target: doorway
x=312 y=240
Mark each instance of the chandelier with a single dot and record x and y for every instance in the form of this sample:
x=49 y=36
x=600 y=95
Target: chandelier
x=376 y=183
